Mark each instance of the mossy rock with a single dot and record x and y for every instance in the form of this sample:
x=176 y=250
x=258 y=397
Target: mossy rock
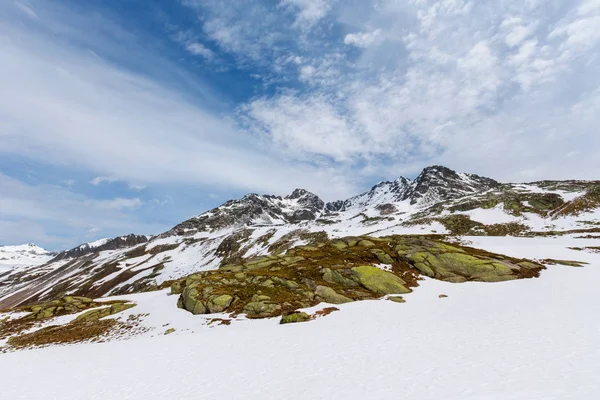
x=220 y=303
x=333 y=276
x=397 y=299
x=331 y=296
x=383 y=256
x=379 y=281
x=294 y=318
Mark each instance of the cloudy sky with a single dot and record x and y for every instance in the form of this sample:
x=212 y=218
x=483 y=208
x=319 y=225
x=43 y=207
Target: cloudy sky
x=130 y=116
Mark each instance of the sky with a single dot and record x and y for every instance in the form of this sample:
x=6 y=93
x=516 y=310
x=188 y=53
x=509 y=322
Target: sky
x=131 y=116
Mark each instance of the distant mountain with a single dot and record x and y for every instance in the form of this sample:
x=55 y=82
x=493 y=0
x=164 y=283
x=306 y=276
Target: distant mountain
x=439 y=201
x=22 y=255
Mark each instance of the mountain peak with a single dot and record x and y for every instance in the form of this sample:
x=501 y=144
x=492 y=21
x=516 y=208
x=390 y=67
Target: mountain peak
x=438 y=183
x=297 y=193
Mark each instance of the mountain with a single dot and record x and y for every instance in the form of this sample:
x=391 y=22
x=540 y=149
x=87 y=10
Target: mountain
x=23 y=255
x=439 y=201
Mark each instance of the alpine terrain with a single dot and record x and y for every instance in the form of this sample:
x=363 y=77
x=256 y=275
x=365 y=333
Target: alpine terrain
x=441 y=279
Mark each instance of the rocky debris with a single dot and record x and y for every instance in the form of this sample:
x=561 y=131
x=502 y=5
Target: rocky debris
x=66 y=305
x=85 y=326
x=338 y=272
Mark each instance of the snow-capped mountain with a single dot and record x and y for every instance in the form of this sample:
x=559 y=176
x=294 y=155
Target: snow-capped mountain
x=23 y=255
x=439 y=201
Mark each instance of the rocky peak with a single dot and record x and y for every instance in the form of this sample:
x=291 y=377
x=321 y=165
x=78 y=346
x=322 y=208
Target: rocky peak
x=297 y=193
x=439 y=183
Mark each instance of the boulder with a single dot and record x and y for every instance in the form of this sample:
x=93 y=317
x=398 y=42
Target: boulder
x=218 y=304
x=331 y=296
x=294 y=317
x=379 y=281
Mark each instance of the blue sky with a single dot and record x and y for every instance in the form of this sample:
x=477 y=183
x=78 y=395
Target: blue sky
x=130 y=116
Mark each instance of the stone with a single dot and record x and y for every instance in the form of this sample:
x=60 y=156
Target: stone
x=332 y=276
x=397 y=299
x=176 y=287
x=219 y=304
x=260 y=307
x=169 y=331
x=339 y=244
x=331 y=296
x=294 y=318
x=379 y=281
x=382 y=256
x=442 y=296
x=119 y=307
x=94 y=315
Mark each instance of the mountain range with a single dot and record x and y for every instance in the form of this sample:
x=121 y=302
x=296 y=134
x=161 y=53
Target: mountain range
x=439 y=201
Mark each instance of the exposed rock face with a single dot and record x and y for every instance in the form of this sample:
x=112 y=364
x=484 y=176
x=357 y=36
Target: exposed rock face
x=254 y=209
x=335 y=273
x=439 y=183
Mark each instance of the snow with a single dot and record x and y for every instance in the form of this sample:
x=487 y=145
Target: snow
x=527 y=339
x=94 y=244
x=22 y=256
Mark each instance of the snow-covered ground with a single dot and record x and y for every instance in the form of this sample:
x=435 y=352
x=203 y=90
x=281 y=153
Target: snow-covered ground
x=529 y=339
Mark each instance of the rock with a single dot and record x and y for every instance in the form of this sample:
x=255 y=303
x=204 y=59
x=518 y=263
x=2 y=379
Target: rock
x=169 y=331
x=379 y=281
x=176 y=287
x=397 y=299
x=268 y=283
x=260 y=308
x=461 y=267
x=189 y=301
x=294 y=317
x=261 y=263
x=94 y=315
x=219 y=304
x=332 y=276
x=339 y=244
x=442 y=296
x=118 y=307
x=331 y=296
x=382 y=256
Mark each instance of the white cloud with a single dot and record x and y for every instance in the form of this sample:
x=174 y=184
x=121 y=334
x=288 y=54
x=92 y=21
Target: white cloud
x=434 y=80
x=71 y=108
x=363 y=39
x=309 y=12
x=103 y=179
x=198 y=49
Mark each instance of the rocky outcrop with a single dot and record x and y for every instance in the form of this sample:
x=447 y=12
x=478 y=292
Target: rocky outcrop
x=337 y=272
